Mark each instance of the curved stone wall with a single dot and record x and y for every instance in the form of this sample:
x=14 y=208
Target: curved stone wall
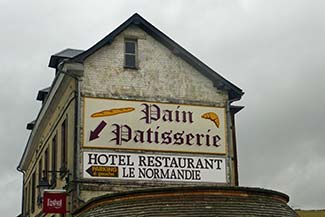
x=190 y=201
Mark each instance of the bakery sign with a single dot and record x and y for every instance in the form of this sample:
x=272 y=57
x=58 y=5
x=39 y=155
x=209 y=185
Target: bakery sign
x=140 y=125
x=159 y=167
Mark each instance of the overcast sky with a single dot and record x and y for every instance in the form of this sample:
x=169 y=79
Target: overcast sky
x=273 y=50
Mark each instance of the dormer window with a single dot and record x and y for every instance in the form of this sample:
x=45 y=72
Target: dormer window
x=130 y=53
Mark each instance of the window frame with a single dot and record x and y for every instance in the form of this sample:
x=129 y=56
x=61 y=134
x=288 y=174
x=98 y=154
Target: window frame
x=135 y=54
x=27 y=198
x=64 y=147
x=54 y=149
x=46 y=163
x=33 y=192
x=40 y=177
x=40 y=170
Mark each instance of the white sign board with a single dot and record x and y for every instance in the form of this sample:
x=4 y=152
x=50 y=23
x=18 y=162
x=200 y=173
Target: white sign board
x=124 y=124
x=131 y=166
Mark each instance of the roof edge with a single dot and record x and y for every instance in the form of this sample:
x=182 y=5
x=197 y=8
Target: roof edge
x=55 y=84
x=247 y=190
x=220 y=82
x=67 y=53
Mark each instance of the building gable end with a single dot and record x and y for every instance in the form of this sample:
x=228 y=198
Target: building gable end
x=219 y=82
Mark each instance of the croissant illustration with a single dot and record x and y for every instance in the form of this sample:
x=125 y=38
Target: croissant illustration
x=213 y=117
x=111 y=112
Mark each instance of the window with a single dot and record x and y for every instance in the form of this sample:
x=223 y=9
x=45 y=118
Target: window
x=40 y=175
x=64 y=135
x=28 y=196
x=26 y=199
x=46 y=164
x=33 y=190
x=54 y=156
x=130 y=53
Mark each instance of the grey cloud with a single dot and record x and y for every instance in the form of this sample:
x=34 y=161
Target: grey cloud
x=273 y=50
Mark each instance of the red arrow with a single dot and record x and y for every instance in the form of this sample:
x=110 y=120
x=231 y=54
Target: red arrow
x=95 y=134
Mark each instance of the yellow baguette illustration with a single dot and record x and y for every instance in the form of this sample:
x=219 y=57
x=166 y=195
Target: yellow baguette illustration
x=111 y=112
x=213 y=117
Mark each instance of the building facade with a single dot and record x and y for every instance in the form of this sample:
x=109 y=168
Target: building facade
x=134 y=112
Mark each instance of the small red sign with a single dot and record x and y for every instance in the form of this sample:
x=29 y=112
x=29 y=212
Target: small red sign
x=54 y=202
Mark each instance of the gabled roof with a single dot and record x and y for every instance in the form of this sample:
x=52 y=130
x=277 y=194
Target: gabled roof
x=30 y=125
x=41 y=95
x=136 y=19
x=235 y=109
x=64 y=54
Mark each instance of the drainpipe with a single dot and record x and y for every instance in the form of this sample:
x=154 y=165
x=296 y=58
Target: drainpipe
x=75 y=70
x=230 y=139
x=77 y=139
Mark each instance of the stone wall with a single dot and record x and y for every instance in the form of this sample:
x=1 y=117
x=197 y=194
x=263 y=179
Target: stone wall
x=61 y=108
x=161 y=76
